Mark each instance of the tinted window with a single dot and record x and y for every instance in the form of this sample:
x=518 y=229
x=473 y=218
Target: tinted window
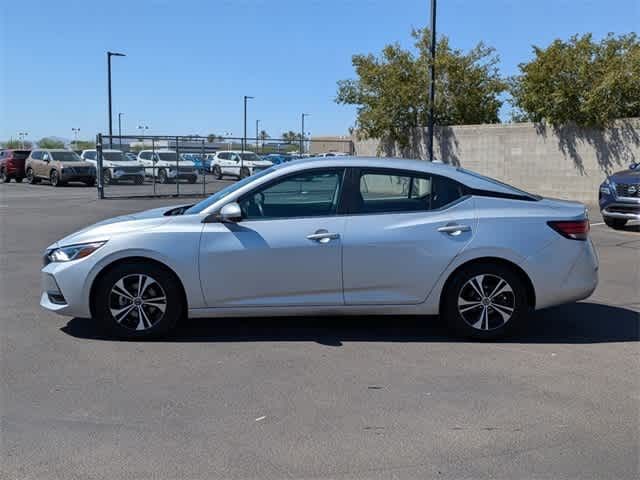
x=168 y=156
x=388 y=192
x=91 y=155
x=65 y=156
x=37 y=155
x=223 y=156
x=309 y=194
x=250 y=157
x=112 y=156
x=145 y=155
x=19 y=154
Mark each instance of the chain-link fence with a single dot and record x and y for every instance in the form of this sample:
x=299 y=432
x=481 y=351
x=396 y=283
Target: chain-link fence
x=166 y=165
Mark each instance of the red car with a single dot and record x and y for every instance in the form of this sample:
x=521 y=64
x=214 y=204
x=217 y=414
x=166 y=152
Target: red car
x=12 y=165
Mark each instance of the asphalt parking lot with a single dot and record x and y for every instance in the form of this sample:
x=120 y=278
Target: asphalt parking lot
x=310 y=398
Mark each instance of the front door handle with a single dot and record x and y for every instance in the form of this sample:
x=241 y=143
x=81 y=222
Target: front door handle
x=454 y=229
x=323 y=236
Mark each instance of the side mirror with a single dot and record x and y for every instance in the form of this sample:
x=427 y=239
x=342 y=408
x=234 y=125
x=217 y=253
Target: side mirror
x=230 y=213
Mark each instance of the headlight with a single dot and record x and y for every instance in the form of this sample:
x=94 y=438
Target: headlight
x=73 y=252
x=607 y=187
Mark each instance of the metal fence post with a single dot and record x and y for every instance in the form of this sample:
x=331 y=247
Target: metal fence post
x=177 y=167
x=99 y=166
x=204 y=172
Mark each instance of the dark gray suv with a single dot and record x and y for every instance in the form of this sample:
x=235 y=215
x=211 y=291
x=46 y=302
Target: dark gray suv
x=620 y=197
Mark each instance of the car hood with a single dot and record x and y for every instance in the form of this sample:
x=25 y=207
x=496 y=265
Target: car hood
x=125 y=163
x=181 y=163
x=262 y=163
x=83 y=163
x=106 y=229
x=626 y=176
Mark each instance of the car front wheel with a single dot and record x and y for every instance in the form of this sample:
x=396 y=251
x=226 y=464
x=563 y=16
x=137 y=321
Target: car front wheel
x=615 y=223
x=485 y=301
x=54 y=178
x=217 y=172
x=162 y=176
x=244 y=172
x=138 y=300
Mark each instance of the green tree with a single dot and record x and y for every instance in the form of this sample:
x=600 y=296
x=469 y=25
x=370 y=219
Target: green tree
x=582 y=81
x=391 y=90
x=48 y=142
x=291 y=136
x=17 y=144
x=263 y=135
x=84 y=145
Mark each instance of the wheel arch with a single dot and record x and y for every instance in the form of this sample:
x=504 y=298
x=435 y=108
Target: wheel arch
x=531 y=292
x=139 y=259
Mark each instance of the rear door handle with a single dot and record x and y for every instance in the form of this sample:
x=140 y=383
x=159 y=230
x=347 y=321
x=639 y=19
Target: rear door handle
x=454 y=229
x=323 y=236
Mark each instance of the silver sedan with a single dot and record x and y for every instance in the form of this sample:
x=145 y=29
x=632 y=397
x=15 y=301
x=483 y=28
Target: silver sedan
x=336 y=236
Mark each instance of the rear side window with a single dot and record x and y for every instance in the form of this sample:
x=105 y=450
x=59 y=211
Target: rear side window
x=388 y=192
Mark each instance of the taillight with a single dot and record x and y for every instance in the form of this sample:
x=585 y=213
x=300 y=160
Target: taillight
x=573 y=229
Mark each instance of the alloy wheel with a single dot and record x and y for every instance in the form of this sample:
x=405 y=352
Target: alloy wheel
x=486 y=302
x=137 y=302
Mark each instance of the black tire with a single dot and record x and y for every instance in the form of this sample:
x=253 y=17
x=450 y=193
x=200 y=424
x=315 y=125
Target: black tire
x=90 y=182
x=486 y=321
x=162 y=176
x=107 y=177
x=244 y=172
x=157 y=323
x=615 y=223
x=139 y=180
x=18 y=179
x=193 y=179
x=217 y=172
x=31 y=178
x=54 y=179
x=4 y=178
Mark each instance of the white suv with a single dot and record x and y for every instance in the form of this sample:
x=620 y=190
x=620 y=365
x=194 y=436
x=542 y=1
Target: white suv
x=167 y=167
x=116 y=166
x=236 y=163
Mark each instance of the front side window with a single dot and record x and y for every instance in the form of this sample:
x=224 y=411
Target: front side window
x=112 y=156
x=168 y=156
x=91 y=155
x=309 y=194
x=383 y=192
x=37 y=155
x=250 y=157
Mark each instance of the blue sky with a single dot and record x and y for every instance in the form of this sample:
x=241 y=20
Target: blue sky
x=190 y=62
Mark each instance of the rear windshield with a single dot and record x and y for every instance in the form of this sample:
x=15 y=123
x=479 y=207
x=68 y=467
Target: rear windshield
x=20 y=154
x=515 y=190
x=66 y=157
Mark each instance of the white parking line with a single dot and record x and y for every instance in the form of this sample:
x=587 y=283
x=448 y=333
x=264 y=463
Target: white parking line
x=595 y=224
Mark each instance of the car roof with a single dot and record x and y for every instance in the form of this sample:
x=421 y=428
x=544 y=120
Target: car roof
x=471 y=179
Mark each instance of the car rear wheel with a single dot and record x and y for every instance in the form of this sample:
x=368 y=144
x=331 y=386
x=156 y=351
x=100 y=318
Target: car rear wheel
x=107 y=177
x=193 y=179
x=615 y=223
x=139 y=180
x=31 y=178
x=4 y=178
x=18 y=179
x=138 y=300
x=485 y=301
x=244 y=172
x=217 y=172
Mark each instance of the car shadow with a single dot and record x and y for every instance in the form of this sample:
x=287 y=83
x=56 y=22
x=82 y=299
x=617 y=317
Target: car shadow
x=577 y=323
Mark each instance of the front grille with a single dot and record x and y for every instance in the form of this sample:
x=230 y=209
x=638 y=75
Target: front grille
x=624 y=208
x=628 y=190
x=129 y=169
x=79 y=170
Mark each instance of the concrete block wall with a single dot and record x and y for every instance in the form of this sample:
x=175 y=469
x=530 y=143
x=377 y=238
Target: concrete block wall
x=566 y=162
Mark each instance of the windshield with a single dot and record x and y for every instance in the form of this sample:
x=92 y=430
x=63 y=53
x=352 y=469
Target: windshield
x=167 y=156
x=207 y=202
x=249 y=157
x=115 y=157
x=66 y=157
x=499 y=183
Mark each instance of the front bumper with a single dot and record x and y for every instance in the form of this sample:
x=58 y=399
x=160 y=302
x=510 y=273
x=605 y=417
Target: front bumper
x=620 y=210
x=64 y=288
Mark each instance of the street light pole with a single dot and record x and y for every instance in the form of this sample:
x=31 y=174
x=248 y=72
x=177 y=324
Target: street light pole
x=302 y=133
x=244 y=138
x=75 y=134
x=109 y=55
x=120 y=128
x=432 y=80
x=257 y=124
